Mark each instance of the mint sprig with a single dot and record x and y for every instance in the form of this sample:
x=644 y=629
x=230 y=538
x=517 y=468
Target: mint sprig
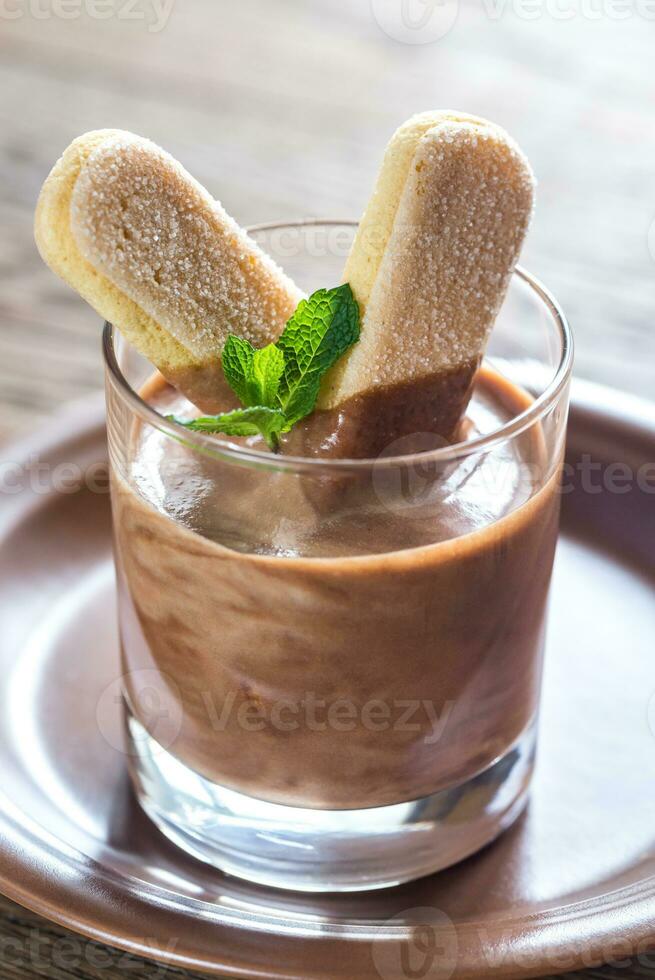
x=268 y=422
x=253 y=375
x=279 y=384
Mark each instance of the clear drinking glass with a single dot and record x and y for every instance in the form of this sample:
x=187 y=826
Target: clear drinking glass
x=332 y=667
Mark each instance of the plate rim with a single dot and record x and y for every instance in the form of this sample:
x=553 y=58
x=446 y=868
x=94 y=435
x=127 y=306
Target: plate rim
x=27 y=861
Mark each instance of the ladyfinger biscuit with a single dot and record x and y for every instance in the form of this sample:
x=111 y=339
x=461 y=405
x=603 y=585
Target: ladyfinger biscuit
x=145 y=244
x=377 y=221
x=430 y=268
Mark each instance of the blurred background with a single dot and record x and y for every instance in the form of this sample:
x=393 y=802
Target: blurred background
x=282 y=108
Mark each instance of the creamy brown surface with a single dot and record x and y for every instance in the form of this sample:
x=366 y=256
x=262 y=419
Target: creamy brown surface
x=366 y=424
x=363 y=654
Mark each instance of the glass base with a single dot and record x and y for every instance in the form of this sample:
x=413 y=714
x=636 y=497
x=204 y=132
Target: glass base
x=327 y=850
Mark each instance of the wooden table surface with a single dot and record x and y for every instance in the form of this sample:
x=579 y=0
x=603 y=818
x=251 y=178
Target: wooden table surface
x=282 y=108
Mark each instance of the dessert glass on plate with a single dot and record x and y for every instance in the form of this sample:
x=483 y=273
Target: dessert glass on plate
x=331 y=668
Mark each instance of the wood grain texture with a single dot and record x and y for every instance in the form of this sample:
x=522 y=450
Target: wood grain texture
x=282 y=110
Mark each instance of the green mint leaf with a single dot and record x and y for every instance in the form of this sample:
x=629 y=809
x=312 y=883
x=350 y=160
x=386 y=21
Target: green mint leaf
x=279 y=384
x=237 y=359
x=267 y=371
x=254 y=375
x=318 y=334
x=251 y=421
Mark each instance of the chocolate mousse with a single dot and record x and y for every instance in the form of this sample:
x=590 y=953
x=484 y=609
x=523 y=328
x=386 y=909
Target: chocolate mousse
x=339 y=658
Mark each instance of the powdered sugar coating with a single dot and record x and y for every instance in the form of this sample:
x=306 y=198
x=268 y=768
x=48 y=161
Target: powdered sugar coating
x=462 y=211
x=141 y=220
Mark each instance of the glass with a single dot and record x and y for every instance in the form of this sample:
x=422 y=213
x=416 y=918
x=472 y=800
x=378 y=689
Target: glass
x=332 y=667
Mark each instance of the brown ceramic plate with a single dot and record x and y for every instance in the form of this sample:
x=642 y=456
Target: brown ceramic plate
x=572 y=884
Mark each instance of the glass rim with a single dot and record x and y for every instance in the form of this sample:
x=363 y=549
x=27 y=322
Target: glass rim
x=224 y=449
